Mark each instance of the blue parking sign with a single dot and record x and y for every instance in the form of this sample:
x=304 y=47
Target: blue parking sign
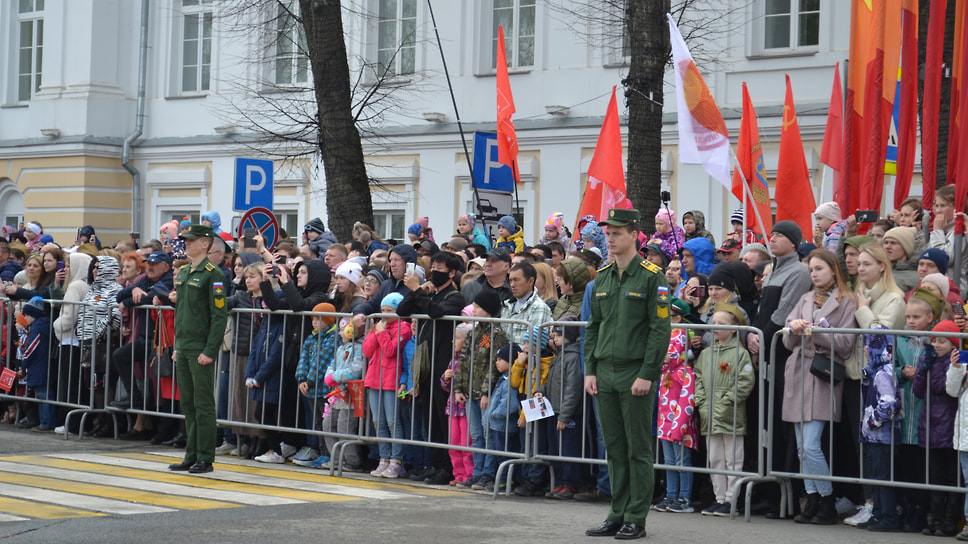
x=253 y=184
x=489 y=174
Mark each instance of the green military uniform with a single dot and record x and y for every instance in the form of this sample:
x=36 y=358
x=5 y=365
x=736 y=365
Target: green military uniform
x=627 y=337
x=200 y=316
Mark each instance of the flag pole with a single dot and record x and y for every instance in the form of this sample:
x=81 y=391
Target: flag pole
x=746 y=192
x=581 y=204
x=517 y=179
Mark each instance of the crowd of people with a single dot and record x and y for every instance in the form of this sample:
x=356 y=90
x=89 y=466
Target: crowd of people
x=91 y=325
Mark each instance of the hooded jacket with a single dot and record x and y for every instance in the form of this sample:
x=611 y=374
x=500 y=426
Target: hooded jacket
x=265 y=357
x=594 y=232
x=571 y=304
x=906 y=271
x=94 y=319
x=700 y=219
x=936 y=422
x=724 y=379
x=321 y=244
x=299 y=299
x=214 y=219
x=670 y=241
x=76 y=289
x=881 y=418
x=389 y=285
x=564 y=386
x=514 y=243
x=36 y=353
x=703 y=253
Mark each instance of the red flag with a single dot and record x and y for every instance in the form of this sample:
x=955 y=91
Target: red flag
x=794 y=191
x=931 y=104
x=606 y=175
x=507 y=139
x=957 y=116
x=960 y=119
x=749 y=154
x=832 y=151
x=907 y=127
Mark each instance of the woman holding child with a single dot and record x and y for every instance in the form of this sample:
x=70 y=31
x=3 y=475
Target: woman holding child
x=809 y=402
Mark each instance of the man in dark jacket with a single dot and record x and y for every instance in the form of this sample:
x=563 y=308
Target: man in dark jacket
x=437 y=297
x=157 y=282
x=495 y=277
x=400 y=256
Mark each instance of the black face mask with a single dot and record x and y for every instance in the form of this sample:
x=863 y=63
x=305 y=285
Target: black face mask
x=439 y=278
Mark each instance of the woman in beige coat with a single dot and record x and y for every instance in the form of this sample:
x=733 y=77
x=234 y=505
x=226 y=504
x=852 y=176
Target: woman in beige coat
x=809 y=402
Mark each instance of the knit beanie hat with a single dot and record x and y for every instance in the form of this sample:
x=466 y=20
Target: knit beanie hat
x=328 y=320
x=350 y=271
x=540 y=333
x=392 y=300
x=751 y=247
x=508 y=223
x=415 y=229
x=829 y=210
x=947 y=325
x=790 y=230
x=34 y=307
x=904 y=236
x=489 y=301
x=315 y=225
x=555 y=221
x=469 y=219
x=722 y=276
x=667 y=216
x=805 y=249
x=185 y=223
x=508 y=352
x=941 y=281
x=736 y=216
x=933 y=301
x=570 y=332
x=938 y=257
x=46 y=239
x=377 y=273
x=859 y=241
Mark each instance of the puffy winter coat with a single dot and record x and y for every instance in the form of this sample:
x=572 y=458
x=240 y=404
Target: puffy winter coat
x=937 y=420
x=955 y=385
x=724 y=379
x=384 y=350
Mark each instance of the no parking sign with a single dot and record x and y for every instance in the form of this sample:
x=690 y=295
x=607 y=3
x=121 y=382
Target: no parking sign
x=264 y=222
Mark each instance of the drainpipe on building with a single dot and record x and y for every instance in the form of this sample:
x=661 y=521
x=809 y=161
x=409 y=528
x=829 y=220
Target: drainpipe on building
x=136 y=193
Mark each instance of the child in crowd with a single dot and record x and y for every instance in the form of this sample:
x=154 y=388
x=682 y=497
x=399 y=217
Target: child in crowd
x=500 y=416
x=669 y=235
x=36 y=353
x=555 y=230
x=526 y=380
x=880 y=425
x=956 y=384
x=919 y=315
x=724 y=379
x=476 y=376
x=347 y=366
x=384 y=348
x=317 y=355
x=510 y=235
x=456 y=410
x=467 y=227
x=936 y=429
x=564 y=388
x=675 y=413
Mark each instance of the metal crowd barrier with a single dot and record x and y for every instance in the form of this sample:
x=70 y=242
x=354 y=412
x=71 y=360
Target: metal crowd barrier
x=900 y=417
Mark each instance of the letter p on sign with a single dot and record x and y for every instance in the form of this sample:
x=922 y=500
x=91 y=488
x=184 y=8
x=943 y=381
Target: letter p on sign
x=253 y=184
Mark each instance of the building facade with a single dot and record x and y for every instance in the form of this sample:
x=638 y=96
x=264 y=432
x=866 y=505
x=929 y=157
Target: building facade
x=216 y=68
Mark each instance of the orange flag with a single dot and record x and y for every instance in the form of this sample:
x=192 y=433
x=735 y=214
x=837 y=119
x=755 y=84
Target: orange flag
x=749 y=154
x=606 y=175
x=794 y=191
x=507 y=139
x=959 y=104
x=907 y=101
x=931 y=104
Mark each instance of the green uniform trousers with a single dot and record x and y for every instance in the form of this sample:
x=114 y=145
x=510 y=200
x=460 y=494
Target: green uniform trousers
x=627 y=430
x=196 y=387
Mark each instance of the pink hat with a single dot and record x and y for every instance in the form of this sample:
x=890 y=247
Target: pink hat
x=668 y=216
x=555 y=221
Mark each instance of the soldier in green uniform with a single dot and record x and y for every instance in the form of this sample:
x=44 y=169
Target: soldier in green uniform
x=625 y=342
x=200 y=316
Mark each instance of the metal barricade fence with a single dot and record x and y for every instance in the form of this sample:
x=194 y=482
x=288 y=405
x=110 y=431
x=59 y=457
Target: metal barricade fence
x=63 y=367
x=910 y=464
x=748 y=474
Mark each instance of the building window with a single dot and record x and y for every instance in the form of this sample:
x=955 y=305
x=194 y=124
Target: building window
x=178 y=217
x=396 y=37
x=31 y=48
x=791 y=24
x=289 y=222
x=196 y=66
x=292 y=61
x=517 y=18
x=389 y=224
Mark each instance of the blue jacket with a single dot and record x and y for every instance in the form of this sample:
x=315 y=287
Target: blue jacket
x=213 y=218
x=37 y=352
x=502 y=411
x=703 y=252
x=9 y=270
x=348 y=364
x=477 y=237
x=317 y=355
x=265 y=359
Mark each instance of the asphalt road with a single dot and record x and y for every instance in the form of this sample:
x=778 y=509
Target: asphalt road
x=363 y=509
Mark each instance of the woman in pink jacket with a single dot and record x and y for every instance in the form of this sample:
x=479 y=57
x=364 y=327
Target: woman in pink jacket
x=383 y=348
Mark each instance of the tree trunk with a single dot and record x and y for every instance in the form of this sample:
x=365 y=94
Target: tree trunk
x=347 y=185
x=649 y=43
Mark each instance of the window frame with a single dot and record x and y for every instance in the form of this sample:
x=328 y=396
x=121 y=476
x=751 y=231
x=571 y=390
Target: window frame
x=794 y=13
x=201 y=9
x=35 y=18
x=388 y=214
x=512 y=39
x=397 y=51
x=299 y=47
